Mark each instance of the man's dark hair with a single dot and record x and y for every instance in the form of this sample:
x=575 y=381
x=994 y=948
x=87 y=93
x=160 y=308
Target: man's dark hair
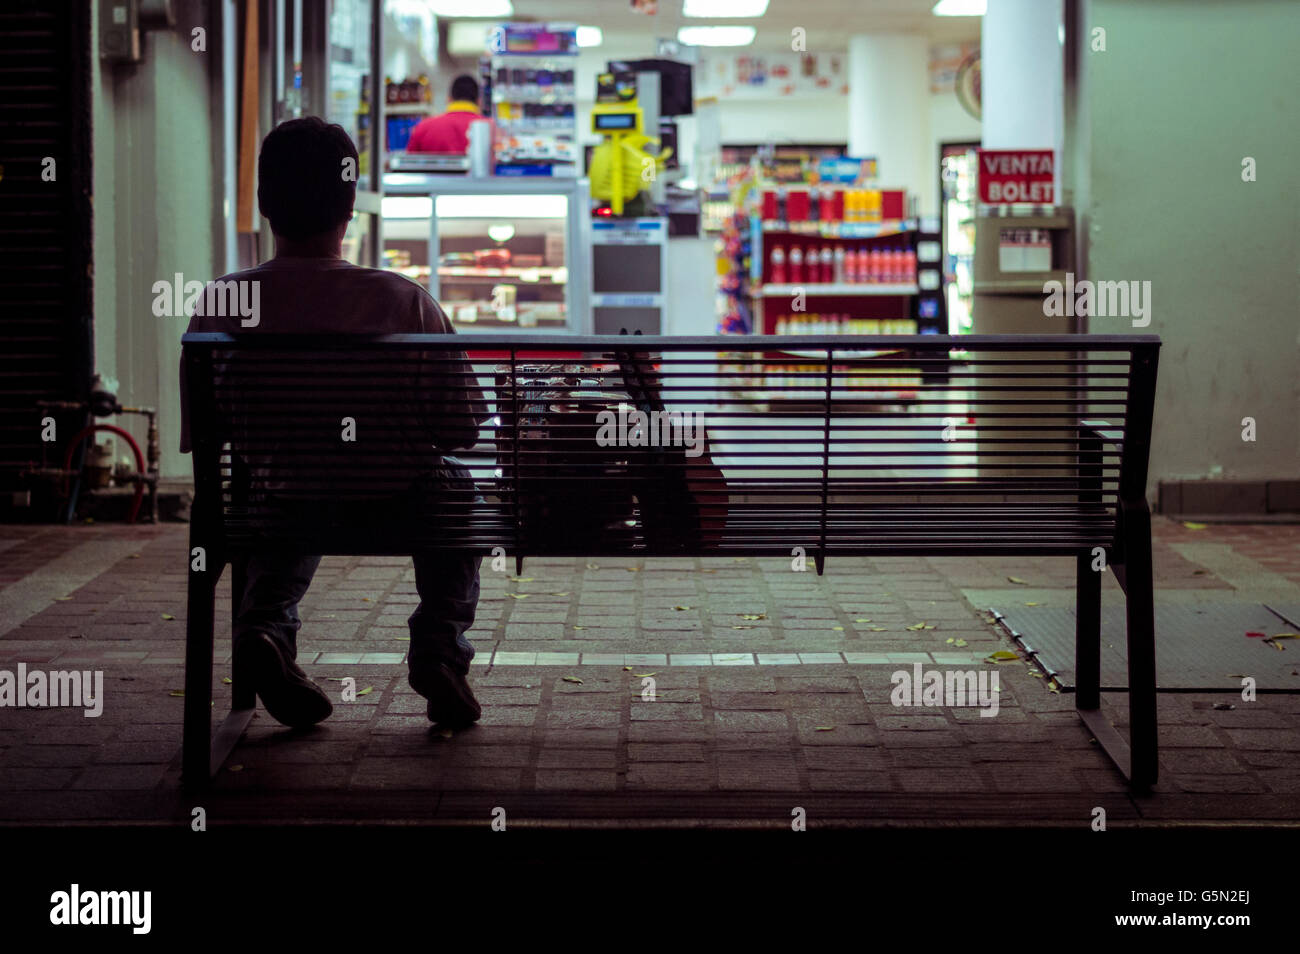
x=303 y=185
x=465 y=87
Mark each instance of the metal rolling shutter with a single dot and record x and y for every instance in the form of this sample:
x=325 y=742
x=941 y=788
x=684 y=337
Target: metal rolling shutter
x=45 y=227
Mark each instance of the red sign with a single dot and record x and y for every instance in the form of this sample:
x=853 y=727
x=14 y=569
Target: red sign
x=1016 y=175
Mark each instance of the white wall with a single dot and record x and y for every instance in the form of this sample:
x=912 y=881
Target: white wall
x=1184 y=91
x=154 y=206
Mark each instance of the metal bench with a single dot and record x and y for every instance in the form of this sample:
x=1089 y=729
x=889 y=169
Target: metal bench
x=840 y=445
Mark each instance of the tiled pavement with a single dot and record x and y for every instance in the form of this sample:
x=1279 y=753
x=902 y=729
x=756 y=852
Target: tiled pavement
x=771 y=691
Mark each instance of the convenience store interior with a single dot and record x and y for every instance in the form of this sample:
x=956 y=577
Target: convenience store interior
x=832 y=150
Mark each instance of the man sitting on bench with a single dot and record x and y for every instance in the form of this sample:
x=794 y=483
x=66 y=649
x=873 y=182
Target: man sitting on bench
x=306 y=194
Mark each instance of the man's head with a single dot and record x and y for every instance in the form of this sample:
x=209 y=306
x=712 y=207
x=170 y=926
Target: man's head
x=304 y=185
x=465 y=87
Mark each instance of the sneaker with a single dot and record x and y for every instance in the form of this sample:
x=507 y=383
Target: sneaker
x=451 y=702
x=289 y=696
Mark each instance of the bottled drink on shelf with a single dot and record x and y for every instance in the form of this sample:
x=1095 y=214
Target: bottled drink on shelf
x=778 y=265
x=796 y=265
x=828 y=264
x=838 y=274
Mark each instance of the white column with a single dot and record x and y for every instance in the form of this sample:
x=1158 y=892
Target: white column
x=889 y=112
x=1022 y=66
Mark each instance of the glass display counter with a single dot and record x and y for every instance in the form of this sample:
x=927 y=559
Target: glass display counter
x=497 y=253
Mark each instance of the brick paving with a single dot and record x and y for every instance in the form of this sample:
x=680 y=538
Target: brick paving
x=771 y=690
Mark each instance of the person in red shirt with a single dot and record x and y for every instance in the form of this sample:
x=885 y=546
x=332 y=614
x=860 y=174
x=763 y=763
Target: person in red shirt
x=450 y=131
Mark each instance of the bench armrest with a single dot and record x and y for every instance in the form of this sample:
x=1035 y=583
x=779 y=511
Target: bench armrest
x=1102 y=431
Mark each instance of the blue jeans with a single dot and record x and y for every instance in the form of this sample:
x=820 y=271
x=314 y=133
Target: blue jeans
x=447 y=582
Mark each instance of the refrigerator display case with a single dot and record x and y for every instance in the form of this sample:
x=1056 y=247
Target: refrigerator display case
x=957 y=171
x=497 y=253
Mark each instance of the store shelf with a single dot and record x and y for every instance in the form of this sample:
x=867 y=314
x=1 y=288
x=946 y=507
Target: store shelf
x=842 y=230
x=408 y=109
x=837 y=288
x=541 y=275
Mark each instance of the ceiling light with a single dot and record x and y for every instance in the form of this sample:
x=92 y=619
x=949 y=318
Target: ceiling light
x=960 y=8
x=590 y=36
x=467 y=38
x=716 y=35
x=472 y=8
x=724 y=8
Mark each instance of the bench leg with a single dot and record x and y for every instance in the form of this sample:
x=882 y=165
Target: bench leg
x=1140 y=600
x=1138 y=758
x=199 y=626
x=243 y=699
x=1087 y=635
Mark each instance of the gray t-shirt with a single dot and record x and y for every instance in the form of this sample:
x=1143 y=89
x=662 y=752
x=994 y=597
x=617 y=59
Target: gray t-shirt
x=436 y=406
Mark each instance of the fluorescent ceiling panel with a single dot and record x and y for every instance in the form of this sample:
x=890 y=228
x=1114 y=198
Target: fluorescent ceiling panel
x=716 y=35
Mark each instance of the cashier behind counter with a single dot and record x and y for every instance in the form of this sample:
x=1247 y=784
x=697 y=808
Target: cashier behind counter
x=449 y=132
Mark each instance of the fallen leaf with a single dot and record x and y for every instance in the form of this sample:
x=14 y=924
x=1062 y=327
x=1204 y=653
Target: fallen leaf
x=682 y=609
x=234 y=768
x=227 y=680
x=1285 y=636
x=517 y=596
x=1036 y=675
x=632 y=569
x=168 y=616
x=520 y=579
x=920 y=626
x=862 y=619
x=752 y=615
x=823 y=728
x=1016 y=579
x=366 y=691
x=405 y=639
x=366 y=599
x=1194 y=526
x=742 y=627
x=329 y=616
x=576 y=679
x=1033 y=604
x=959 y=642
x=176 y=692
x=878 y=629
x=740 y=559
x=593 y=566
x=558 y=594
x=1001 y=656
x=838 y=629
x=579 y=627
x=63 y=599
x=445 y=733
x=645 y=675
